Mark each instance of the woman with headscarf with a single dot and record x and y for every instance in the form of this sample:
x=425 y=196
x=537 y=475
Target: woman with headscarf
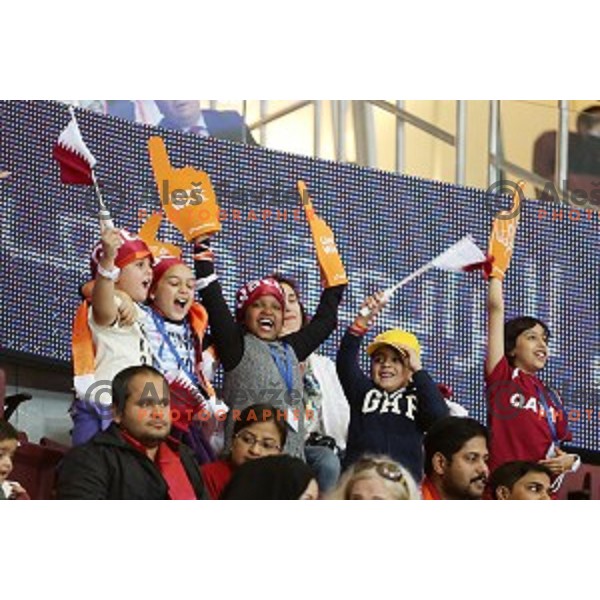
x=280 y=477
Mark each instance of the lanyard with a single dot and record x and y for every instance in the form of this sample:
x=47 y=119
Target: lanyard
x=160 y=326
x=557 y=407
x=285 y=367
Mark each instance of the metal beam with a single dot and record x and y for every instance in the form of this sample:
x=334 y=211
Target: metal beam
x=562 y=147
x=522 y=173
x=338 y=114
x=364 y=134
x=494 y=142
x=461 y=142
x=263 y=109
x=280 y=113
x=400 y=139
x=426 y=126
x=244 y=115
x=318 y=114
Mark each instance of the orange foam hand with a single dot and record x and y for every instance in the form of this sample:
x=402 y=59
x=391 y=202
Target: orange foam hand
x=502 y=238
x=148 y=233
x=186 y=194
x=328 y=257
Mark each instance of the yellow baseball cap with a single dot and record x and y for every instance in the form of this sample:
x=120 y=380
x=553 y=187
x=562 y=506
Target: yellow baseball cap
x=396 y=338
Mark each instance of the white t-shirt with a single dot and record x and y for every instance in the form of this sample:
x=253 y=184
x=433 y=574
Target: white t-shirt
x=116 y=349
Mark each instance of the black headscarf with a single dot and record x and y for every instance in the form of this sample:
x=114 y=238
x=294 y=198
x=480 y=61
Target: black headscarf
x=279 y=477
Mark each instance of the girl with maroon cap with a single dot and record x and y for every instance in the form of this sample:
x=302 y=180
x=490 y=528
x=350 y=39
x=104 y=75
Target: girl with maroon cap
x=260 y=366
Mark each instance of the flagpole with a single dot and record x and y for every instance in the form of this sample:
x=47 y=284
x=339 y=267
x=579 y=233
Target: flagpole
x=458 y=247
x=389 y=292
x=106 y=221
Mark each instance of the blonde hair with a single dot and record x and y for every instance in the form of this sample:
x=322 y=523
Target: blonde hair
x=397 y=480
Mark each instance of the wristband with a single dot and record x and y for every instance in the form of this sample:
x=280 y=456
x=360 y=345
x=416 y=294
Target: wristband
x=358 y=329
x=203 y=253
x=203 y=283
x=113 y=274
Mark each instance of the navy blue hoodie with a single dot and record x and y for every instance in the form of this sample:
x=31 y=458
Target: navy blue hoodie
x=387 y=423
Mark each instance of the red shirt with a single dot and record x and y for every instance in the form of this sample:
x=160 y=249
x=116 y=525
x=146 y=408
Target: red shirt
x=216 y=476
x=517 y=421
x=170 y=466
x=429 y=491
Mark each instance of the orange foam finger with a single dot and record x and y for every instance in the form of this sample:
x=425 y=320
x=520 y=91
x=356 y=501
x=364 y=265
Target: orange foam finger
x=159 y=159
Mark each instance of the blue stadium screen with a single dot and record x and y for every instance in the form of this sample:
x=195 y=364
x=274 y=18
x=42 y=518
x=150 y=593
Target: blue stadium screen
x=386 y=226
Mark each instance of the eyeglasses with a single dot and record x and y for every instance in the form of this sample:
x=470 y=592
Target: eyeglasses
x=387 y=470
x=250 y=440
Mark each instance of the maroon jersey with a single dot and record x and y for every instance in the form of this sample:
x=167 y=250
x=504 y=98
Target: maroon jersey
x=517 y=421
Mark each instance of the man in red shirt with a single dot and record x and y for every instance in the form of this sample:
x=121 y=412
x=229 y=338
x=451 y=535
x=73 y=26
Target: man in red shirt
x=134 y=459
x=456 y=456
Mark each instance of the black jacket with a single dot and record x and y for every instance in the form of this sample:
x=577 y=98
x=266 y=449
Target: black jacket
x=109 y=468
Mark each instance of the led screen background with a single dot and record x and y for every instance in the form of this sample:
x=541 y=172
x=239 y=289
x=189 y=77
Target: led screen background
x=386 y=226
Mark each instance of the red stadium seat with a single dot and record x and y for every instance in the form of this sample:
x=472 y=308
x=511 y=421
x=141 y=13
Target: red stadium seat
x=585 y=484
x=35 y=469
x=49 y=443
x=8 y=404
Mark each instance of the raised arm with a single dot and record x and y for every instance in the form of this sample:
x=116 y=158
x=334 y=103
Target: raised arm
x=350 y=374
x=305 y=341
x=501 y=246
x=333 y=277
x=227 y=335
x=495 y=308
x=104 y=307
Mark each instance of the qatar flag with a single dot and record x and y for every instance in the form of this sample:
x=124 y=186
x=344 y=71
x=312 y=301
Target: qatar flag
x=465 y=255
x=75 y=160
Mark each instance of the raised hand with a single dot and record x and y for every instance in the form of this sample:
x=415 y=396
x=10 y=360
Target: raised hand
x=413 y=362
x=111 y=242
x=186 y=194
x=502 y=237
x=204 y=260
x=374 y=305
